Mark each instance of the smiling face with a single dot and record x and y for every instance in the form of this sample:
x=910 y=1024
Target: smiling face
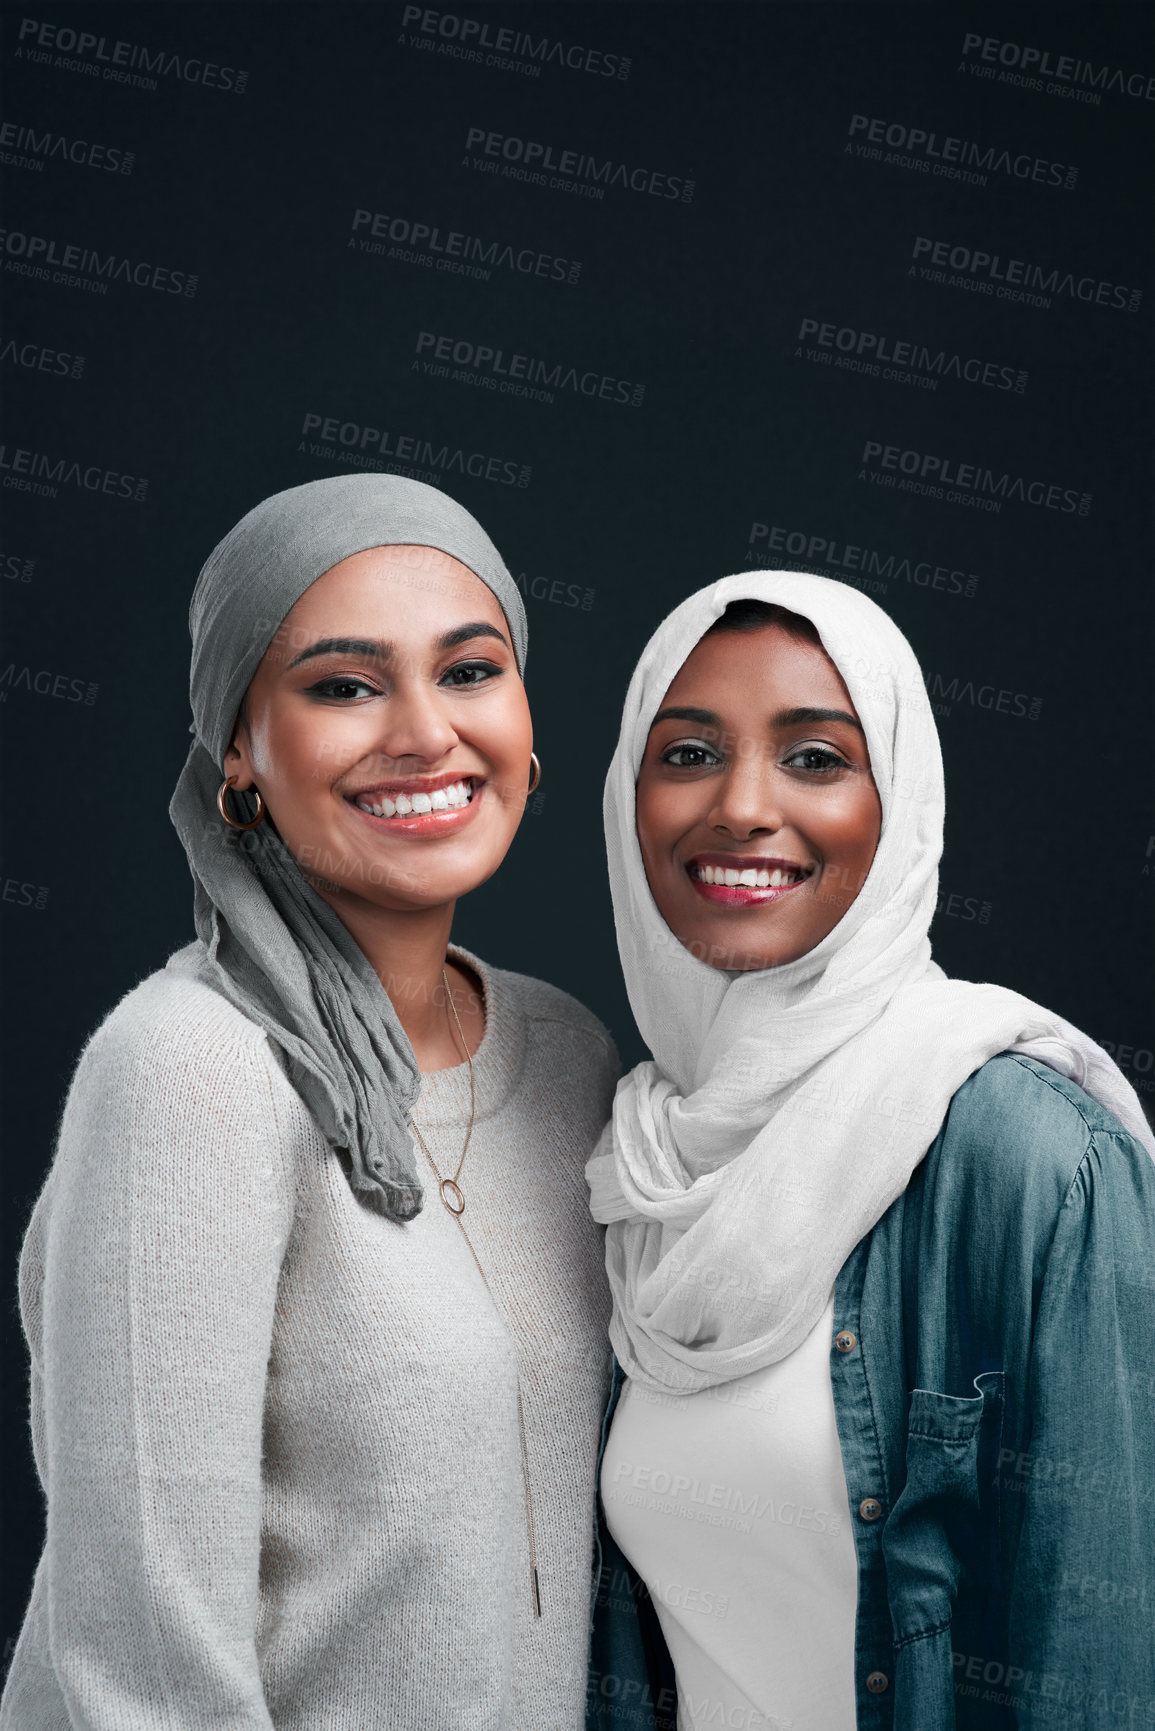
x=388 y=732
x=757 y=815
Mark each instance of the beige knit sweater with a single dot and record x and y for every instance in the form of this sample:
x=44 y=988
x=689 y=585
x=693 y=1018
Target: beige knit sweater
x=277 y=1433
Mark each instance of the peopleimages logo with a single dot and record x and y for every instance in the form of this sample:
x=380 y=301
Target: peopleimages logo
x=530 y=160
x=35 y=472
x=23 y=894
x=529 y=53
x=952 y=158
x=452 y=250
x=1017 y=279
x=522 y=375
x=945 y=693
x=1036 y=64
x=25 y=147
x=963 y=483
x=684 y=1492
x=363 y=447
x=46 y=683
x=119 y=62
x=38 y=358
x=875 y=351
x=39 y=256
x=16 y=567
x=864 y=567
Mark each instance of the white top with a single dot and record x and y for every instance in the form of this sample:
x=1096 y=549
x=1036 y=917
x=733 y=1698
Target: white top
x=277 y=1432
x=731 y=1504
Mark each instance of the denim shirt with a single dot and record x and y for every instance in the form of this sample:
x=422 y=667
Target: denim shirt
x=993 y=1370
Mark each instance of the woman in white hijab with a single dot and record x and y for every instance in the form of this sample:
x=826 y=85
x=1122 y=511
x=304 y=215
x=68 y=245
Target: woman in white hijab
x=881 y=1243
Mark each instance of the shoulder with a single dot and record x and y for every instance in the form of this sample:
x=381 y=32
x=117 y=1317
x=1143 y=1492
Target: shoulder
x=177 y=1144
x=172 y=1014
x=177 y=1100
x=1017 y=1129
x=549 y=1008
x=174 y=1052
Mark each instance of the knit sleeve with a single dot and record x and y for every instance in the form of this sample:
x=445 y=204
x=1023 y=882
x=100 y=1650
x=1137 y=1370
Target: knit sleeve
x=149 y=1281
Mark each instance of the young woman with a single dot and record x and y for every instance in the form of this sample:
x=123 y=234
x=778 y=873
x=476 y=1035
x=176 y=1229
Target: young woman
x=315 y=1306
x=881 y=1244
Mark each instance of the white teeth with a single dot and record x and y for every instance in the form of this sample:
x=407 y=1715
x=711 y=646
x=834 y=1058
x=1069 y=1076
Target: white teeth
x=749 y=878
x=451 y=798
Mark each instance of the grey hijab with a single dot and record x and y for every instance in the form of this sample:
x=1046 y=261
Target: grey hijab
x=272 y=945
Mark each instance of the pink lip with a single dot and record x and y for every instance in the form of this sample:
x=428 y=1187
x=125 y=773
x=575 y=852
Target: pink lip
x=743 y=895
x=423 y=823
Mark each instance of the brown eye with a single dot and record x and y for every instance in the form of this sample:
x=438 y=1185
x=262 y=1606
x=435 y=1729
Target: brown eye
x=818 y=759
x=467 y=673
x=693 y=755
x=340 y=687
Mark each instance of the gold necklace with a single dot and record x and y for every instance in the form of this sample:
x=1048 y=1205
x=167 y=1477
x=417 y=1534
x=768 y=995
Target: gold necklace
x=450 y=1192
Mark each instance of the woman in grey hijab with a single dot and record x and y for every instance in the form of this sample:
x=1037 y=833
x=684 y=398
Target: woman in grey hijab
x=315 y=1307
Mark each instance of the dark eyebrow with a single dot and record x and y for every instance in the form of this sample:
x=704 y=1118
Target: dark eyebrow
x=381 y=650
x=784 y=718
x=345 y=646
x=704 y=717
x=796 y=717
x=463 y=633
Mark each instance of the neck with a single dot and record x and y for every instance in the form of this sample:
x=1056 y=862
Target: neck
x=406 y=949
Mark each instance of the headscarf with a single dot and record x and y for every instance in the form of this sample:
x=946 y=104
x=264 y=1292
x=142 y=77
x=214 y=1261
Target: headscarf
x=271 y=944
x=785 y=1109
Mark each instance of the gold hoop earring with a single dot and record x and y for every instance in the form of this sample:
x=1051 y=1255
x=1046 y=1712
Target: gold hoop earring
x=535 y=771
x=235 y=823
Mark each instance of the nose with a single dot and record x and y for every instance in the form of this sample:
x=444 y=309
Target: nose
x=747 y=803
x=415 y=721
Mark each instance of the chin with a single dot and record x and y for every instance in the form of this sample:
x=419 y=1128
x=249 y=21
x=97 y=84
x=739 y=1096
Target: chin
x=419 y=889
x=728 y=946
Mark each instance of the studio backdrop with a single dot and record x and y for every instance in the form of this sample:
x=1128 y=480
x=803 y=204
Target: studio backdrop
x=660 y=292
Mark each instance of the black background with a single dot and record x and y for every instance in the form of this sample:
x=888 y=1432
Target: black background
x=1049 y=858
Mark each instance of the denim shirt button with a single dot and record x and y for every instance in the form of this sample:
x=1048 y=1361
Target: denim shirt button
x=878 y=1682
x=870 y=1508
x=846 y=1342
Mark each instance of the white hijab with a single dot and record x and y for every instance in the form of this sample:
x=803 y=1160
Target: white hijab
x=785 y=1109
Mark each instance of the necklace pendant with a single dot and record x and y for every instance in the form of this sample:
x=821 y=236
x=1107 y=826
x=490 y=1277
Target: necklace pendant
x=451 y=1196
